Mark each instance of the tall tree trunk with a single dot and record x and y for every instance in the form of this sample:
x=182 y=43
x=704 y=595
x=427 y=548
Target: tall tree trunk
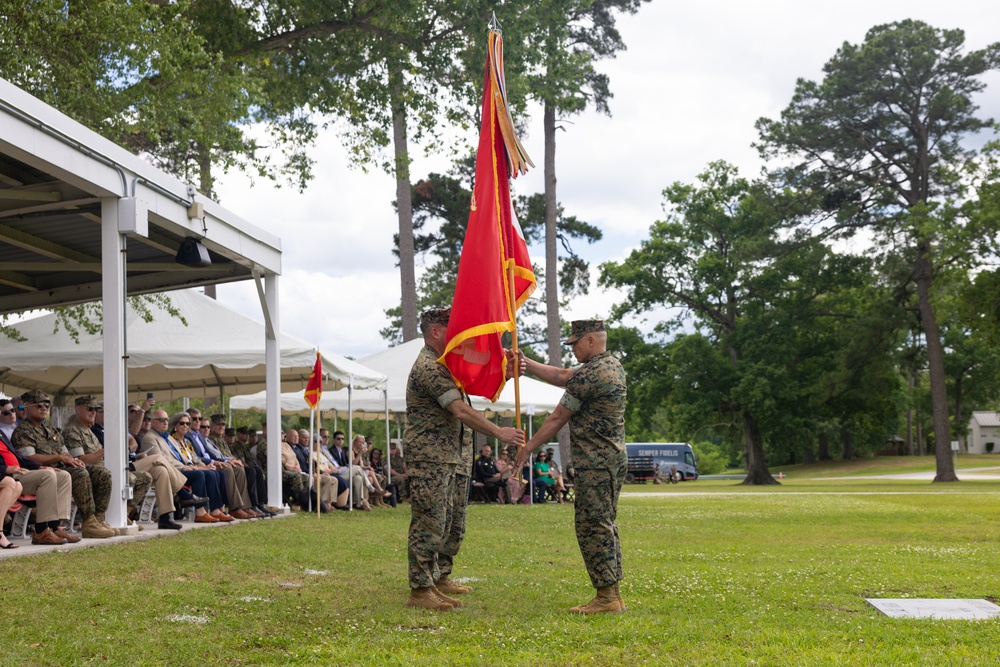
x=920 y=432
x=551 y=257
x=911 y=381
x=808 y=455
x=963 y=437
x=824 y=447
x=404 y=206
x=848 y=445
x=935 y=364
x=757 y=472
x=553 y=336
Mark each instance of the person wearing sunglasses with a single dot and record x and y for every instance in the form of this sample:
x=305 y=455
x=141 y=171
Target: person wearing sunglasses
x=8 y=419
x=52 y=489
x=166 y=438
x=43 y=444
x=83 y=442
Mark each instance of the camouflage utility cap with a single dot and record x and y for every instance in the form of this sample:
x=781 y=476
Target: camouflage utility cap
x=243 y=429
x=435 y=316
x=34 y=396
x=218 y=418
x=583 y=327
x=88 y=401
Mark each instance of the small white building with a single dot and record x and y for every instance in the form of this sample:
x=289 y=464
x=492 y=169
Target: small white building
x=984 y=433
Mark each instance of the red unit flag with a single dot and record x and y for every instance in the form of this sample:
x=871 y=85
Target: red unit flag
x=314 y=387
x=485 y=301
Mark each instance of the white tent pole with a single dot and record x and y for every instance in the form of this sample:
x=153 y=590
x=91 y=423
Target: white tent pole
x=350 y=442
x=388 y=456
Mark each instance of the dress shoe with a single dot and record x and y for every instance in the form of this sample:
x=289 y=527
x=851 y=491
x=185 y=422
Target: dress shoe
x=165 y=522
x=222 y=516
x=205 y=518
x=47 y=537
x=61 y=532
x=193 y=501
x=239 y=514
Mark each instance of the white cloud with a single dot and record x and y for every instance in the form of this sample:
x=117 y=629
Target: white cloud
x=687 y=91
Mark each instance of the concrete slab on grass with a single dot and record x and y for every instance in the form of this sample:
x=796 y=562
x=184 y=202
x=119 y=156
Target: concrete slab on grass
x=935 y=608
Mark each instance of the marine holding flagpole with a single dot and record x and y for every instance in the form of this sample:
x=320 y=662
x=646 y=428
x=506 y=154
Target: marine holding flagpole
x=594 y=407
x=463 y=353
x=436 y=416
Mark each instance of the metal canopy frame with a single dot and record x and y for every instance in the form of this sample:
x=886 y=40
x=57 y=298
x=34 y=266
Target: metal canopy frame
x=83 y=219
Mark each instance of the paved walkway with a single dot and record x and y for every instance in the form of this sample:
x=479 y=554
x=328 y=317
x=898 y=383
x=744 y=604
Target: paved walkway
x=149 y=531
x=971 y=474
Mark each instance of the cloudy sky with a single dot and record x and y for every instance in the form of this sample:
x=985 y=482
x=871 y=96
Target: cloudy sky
x=688 y=90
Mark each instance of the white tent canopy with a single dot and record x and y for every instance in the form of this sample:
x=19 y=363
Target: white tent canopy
x=396 y=362
x=217 y=349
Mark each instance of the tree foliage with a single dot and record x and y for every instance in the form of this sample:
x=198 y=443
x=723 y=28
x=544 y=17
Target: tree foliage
x=878 y=144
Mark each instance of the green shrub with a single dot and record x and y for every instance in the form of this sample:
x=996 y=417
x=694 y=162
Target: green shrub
x=712 y=458
x=989 y=447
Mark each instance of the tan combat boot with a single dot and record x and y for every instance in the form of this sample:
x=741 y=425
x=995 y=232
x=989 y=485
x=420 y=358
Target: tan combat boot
x=426 y=598
x=605 y=601
x=454 y=602
x=448 y=586
x=618 y=594
x=101 y=520
x=92 y=528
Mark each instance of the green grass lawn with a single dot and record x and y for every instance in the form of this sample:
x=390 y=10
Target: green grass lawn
x=715 y=575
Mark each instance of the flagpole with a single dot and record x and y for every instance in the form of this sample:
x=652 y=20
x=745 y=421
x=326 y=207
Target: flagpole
x=314 y=454
x=513 y=337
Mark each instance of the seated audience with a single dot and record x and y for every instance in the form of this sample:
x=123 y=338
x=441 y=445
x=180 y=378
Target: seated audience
x=52 y=488
x=43 y=444
x=166 y=438
x=560 y=486
x=542 y=478
x=513 y=484
x=378 y=465
x=485 y=471
x=359 y=449
x=10 y=490
x=84 y=444
x=358 y=480
x=397 y=464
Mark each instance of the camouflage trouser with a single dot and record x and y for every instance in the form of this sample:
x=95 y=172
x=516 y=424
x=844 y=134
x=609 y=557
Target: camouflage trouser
x=432 y=487
x=91 y=489
x=293 y=483
x=456 y=524
x=140 y=483
x=596 y=508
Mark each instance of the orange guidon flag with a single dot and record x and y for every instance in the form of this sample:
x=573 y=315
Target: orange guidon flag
x=314 y=387
x=484 y=305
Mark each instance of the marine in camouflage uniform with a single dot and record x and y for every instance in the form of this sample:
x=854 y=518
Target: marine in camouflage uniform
x=594 y=407
x=40 y=442
x=81 y=441
x=459 y=504
x=435 y=414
